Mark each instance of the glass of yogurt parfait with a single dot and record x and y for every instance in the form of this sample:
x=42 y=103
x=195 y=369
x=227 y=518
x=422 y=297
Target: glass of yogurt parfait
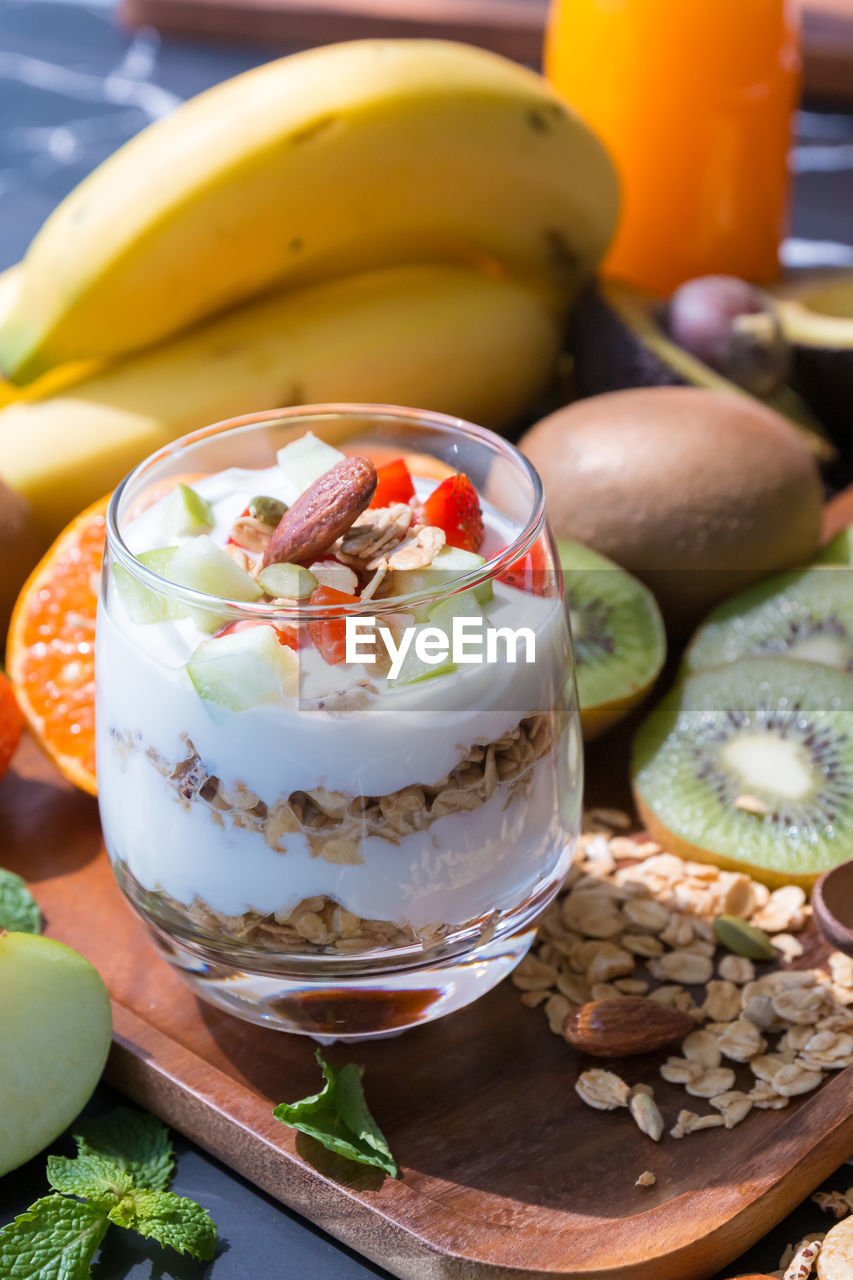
x=339 y=761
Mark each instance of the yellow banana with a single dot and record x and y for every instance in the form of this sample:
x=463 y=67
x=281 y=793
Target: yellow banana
x=336 y=160
x=443 y=337
x=62 y=376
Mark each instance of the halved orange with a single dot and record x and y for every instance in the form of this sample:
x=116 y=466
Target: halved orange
x=11 y=722
x=50 y=653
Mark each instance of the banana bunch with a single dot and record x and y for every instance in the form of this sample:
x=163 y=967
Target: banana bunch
x=445 y=336
x=340 y=159
x=401 y=221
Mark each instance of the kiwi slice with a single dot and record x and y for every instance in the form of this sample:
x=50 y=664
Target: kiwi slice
x=839 y=550
x=806 y=614
x=750 y=765
x=618 y=633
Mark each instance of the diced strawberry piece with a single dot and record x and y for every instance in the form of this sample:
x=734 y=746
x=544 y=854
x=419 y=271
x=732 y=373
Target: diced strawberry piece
x=393 y=484
x=288 y=636
x=455 y=508
x=531 y=573
x=329 y=635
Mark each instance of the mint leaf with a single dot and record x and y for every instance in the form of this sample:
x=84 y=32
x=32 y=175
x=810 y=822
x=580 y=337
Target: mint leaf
x=352 y=1108
x=90 y=1177
x=19 y=912
x=54 y=1240
x=173 y=1220
x=338 y=1118
x=137 y=1143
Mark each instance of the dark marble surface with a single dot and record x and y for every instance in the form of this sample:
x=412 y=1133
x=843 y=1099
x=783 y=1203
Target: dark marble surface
x=73 y=87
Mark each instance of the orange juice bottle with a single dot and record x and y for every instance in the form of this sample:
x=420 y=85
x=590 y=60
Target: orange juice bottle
x=694 y=100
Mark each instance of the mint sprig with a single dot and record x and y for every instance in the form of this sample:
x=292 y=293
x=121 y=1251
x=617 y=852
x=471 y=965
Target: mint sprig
x=19 y=911
x=89 y=1177
x=55 y=1239
x=338 y=1117
x=170 y=1220
x=134 y=1140
x=119 y=1176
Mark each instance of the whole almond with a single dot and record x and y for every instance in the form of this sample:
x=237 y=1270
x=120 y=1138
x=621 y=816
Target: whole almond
x=624 y=1026
x=323 y=512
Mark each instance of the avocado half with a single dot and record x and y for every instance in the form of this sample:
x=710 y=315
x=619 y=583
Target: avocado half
x=816 y=311
x=618 y=342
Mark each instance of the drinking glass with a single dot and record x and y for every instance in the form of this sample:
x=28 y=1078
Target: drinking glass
x=359 y=856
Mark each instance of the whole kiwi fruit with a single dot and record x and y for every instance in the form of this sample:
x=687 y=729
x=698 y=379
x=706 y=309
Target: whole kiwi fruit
x=698 y=493
x=20 y=547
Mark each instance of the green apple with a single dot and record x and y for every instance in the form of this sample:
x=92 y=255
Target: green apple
x=441 y=615
x=244 y=669
x=184 y=513
x=204 y=566
x=56 y=1021
x=450 y=563
x=142 y=603
x=303 y=461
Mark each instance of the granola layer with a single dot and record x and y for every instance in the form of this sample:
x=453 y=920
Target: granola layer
x=315 y=925
x=333 y=822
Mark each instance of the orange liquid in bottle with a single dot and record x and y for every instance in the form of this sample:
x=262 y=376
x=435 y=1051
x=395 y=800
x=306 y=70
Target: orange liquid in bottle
x=694 y=100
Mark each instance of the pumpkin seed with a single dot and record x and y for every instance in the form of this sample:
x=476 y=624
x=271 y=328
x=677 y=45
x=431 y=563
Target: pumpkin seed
x=743 y=939
x=287 y=581
x=268 y=510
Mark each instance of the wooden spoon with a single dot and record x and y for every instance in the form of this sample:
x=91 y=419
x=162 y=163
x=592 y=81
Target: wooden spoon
x=832 y=901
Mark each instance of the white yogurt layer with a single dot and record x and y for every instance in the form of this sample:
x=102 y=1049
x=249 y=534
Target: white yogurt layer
x=459 y=867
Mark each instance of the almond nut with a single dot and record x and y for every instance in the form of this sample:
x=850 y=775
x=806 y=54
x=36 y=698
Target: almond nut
x=323 y=512
x=625 y=1026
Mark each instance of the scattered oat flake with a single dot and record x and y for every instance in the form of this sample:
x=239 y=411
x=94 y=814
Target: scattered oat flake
x=736 y=969
x=646 y=927
x=790 y=947
x=646 y=1179
x=557 y=1008
x=690 y=1122
x=835 y=1203
x=602 y=1090
x=841 y=969
x=711 y=1083
x=733 y=1106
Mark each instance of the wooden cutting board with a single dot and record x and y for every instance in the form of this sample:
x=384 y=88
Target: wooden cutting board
x=512 y=27
x=506 y=1175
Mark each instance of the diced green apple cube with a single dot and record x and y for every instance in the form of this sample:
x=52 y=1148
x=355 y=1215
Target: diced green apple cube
x=413 y=668
x=184 y=513
x=463 y=605
x=204 y=566
x=144 y=604
x=244 y=669
x=303 y=461
x=441 y=616
x=451 y=562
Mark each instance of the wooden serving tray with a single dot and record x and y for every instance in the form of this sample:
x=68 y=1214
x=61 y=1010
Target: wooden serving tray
x=512 y=27
x=505 y=1173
